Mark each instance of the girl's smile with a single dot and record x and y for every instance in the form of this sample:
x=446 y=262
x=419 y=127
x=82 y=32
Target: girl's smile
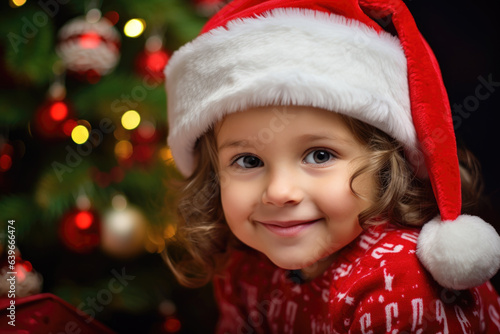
x=287 y=228
x=287 y=193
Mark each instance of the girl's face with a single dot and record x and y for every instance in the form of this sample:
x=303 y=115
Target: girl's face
x=285 y=174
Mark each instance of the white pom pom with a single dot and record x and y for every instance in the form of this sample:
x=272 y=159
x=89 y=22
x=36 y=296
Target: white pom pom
x=459 y=254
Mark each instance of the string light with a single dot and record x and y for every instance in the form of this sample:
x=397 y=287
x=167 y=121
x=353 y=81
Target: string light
x=80 y=134
x=83 y=220
x=58 y=111
x=134 y=27
x=17 y=3
x=169 y=232
x=166 y=155
x=124 y=149
x=131 y=119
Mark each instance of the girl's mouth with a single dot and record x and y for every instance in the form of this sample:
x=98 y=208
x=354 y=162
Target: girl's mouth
x=288 y=228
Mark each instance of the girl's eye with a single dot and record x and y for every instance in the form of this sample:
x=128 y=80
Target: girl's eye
x=318 y=157
x=248 y=161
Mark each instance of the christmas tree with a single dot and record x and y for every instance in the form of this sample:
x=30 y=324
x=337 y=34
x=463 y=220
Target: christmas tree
x=85 y=171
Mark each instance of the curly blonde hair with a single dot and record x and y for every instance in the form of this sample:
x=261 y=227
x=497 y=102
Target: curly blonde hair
x=201 y=244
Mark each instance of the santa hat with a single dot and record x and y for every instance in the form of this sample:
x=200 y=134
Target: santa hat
x=362 y=58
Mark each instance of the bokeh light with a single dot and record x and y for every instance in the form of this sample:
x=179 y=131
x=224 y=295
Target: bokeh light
x=17 y=3
x=68 y=126
x=166 y=155
x=134 y=27
x=112 y=16
x=90 y=40
x=131 y=119
x=58 y=111
x=5 y=163
x=169 y=231
x=123 y=149
x=172 y=325
x=83 y=220
x=80 y=134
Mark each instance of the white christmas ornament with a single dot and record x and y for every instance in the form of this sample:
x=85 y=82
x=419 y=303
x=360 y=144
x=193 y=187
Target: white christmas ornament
x=89 y=45
x=123 y=232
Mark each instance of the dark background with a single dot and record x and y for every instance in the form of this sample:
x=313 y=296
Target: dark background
x=465 y=38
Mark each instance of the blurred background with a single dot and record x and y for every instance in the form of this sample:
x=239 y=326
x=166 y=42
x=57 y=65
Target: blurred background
x=84 y=167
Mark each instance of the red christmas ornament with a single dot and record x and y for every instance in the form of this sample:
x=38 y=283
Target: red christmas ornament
x=150 y=64
x=89 y=48
x=80 y=230
x=55 y=119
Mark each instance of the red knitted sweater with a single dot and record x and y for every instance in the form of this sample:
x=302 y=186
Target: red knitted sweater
x=375 y=285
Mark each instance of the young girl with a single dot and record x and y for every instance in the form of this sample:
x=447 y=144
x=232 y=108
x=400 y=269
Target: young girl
x=323 y=185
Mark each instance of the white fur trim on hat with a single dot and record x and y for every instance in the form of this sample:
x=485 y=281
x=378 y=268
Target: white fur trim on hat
x=459 y=254
x=287 y=57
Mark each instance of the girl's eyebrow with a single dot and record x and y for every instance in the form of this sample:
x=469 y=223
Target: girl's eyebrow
x=243 y=143
x=233 y=143
x=319 y=137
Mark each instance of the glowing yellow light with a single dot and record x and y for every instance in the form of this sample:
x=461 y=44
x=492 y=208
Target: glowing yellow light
x=134 y=27
x=18 y=3
x=169 y=232
x=166 y=155
x=131 y=119
x=124 y=149
x=154 y=243
x=80 y=134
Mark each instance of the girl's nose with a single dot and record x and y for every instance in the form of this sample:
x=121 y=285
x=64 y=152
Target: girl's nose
x=282 y=189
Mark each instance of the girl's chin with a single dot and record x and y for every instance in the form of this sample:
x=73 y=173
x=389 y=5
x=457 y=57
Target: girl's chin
x=308 y=269
x=287 y=265
x=283 y=264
